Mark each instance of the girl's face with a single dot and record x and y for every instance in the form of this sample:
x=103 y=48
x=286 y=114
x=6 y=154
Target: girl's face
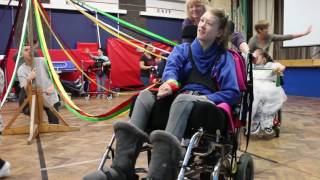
x=197 y=10
x=259 y=58
x=208 y=28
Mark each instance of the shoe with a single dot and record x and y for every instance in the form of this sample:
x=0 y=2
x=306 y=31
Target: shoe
x=268 y=131
x=129 y=141
x=109 y=97
x=256 y=130
x=5 y=170
x=166 y=155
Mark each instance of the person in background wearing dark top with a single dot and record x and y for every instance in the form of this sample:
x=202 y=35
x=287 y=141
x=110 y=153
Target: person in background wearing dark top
x=4 y=165
x=102 y=65
x=263 y=38
x=16 y=84
x=195 y=9
x=147 y=63
x=161 y=65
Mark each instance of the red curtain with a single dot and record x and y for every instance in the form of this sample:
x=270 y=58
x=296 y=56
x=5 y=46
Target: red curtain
x=125 y=62
x=124 y=59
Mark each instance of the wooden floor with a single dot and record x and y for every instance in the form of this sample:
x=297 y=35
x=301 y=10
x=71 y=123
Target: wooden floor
x=70 y=155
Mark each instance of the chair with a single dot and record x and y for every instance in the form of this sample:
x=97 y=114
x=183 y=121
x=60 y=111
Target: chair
x=210 y=154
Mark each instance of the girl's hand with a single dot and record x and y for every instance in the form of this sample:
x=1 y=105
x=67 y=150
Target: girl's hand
x=164 y=90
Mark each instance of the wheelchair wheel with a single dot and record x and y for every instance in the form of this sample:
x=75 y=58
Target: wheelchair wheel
x=245 y=168
x=277 y=123
x=277 y=131
x=207 y=176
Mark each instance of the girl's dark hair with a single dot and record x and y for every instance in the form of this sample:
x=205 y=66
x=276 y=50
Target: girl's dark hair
x=266 y=55
x=231 y=27
x=223 y=25
x=147 y=44
x=102 y=49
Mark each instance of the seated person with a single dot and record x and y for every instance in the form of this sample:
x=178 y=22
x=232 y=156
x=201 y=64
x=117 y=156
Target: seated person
x=268 y=98
x=16 y=84
x=201 y=72
x=34 y=69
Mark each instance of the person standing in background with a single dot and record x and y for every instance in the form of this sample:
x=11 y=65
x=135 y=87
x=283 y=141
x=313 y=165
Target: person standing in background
x=101 y=67
x=147 y=63
x=263 y=39
x=195 y=9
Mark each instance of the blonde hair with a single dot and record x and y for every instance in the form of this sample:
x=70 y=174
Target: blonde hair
x=189 y=3
x=261 y=25
x=223 y=26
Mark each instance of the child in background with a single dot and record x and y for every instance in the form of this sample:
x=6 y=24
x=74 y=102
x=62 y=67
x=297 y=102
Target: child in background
x=268 y=97
x=101 y=67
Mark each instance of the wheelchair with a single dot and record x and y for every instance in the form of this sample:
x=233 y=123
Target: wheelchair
x=277 y=123
x=277 y=118
x=208 y=154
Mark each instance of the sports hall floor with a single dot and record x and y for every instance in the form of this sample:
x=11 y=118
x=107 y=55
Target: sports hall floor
x=70 y=155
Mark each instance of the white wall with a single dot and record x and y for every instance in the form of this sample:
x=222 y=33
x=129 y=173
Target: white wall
x=160 y=8
x=298 y=15
x=107 y=6
x=263 y=10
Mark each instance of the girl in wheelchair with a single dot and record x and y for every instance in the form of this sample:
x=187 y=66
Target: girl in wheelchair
x=200 y=72
x=268 y=96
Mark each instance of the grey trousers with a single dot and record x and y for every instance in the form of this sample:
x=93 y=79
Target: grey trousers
x=179 y=112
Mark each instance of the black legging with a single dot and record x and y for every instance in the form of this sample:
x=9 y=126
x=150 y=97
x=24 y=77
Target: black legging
x=203 y=114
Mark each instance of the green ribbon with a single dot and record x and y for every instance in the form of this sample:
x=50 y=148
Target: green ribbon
x=73 y=111
x=96 y=119
x=127 y=24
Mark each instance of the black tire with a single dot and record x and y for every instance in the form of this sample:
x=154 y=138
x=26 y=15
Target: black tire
x=205 y=176
x=245 y=168
x=277 y=131
x=276 y=127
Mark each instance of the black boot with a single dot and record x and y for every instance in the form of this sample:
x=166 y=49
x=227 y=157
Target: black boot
x=165 y=157
x=129 y=140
